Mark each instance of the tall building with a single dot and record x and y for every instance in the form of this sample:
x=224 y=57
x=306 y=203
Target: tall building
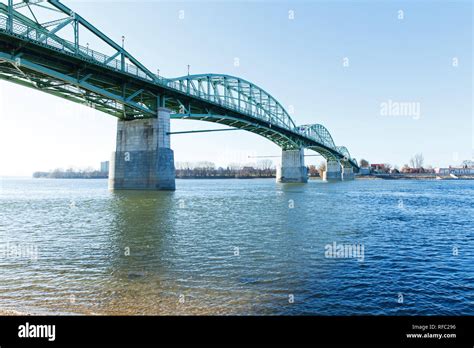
x=104 y=167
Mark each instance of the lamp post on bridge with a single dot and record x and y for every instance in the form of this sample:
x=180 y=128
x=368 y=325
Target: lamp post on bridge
x=122 y=55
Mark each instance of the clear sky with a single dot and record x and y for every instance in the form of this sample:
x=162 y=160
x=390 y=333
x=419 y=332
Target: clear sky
x=338 y=63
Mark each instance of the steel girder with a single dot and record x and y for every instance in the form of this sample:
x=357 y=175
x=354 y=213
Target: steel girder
x=319 y=133
x=346 y=161
x=237 y=94
x=47 y=32
x=39 y=54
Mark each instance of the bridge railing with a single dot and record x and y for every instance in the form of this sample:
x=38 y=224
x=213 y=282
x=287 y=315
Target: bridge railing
x=230 y=102
x=42 y=37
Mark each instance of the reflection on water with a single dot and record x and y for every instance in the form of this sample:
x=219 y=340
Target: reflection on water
x=236 y=247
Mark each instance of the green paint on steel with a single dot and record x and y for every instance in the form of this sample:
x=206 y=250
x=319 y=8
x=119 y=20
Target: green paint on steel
x=205 y=131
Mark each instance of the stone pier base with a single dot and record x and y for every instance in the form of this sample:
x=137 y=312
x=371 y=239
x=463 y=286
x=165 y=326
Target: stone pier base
x=333 y=171
x=292 y=169
x=347 y=174
x=143 y=159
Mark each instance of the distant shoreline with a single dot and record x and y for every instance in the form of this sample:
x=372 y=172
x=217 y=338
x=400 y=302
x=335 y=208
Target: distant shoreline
x=225 y=177
x=178 y=177
x=70 y=175
x=400 y=176
x=412 y=177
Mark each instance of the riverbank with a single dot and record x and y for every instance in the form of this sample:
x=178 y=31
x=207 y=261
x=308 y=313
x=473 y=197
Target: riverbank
x=421 y=176
x=8 y=312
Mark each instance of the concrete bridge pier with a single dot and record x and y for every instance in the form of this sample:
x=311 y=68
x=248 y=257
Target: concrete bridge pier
x=347 y=173
x=292 y=168
x=143 y=159
x=333 y=171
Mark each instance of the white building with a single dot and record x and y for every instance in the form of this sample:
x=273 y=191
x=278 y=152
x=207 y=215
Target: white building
x=104 y=167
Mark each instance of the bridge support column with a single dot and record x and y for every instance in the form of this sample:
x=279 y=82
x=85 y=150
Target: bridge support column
x=347 y=173
x=143 y=159
x=333 y=171
x=292 y=167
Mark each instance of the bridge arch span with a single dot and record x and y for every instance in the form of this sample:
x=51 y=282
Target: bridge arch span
x=236 y=93
x=319 y=133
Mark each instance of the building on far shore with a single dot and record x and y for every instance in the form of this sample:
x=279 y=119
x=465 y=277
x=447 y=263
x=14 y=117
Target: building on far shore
x=104 y=167
x=378 y=168
x=455 y=171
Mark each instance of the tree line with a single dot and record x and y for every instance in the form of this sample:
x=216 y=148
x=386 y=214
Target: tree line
x=262 y=169
x=70 y=173
x=416 y=164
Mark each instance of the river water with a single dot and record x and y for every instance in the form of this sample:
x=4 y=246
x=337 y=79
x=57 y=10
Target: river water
x=238 y=247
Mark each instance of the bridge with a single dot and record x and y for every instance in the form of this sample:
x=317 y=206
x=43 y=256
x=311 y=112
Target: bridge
x=42 y=47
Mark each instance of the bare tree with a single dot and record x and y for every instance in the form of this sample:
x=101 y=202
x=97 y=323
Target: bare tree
x=322 y=169
x=313 y=170
x=364 y=163
x=265 y=164
x=234 y=166
x=180 y=166
x=184 y=165
x=418 y=160
x=206 y=165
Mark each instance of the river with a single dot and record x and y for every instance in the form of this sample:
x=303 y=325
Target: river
x=243 y=247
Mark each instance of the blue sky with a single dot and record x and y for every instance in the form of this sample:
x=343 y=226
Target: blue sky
x=299 y=61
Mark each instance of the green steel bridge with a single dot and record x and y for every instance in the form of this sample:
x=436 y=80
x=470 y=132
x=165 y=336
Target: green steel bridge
x=42 y=47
